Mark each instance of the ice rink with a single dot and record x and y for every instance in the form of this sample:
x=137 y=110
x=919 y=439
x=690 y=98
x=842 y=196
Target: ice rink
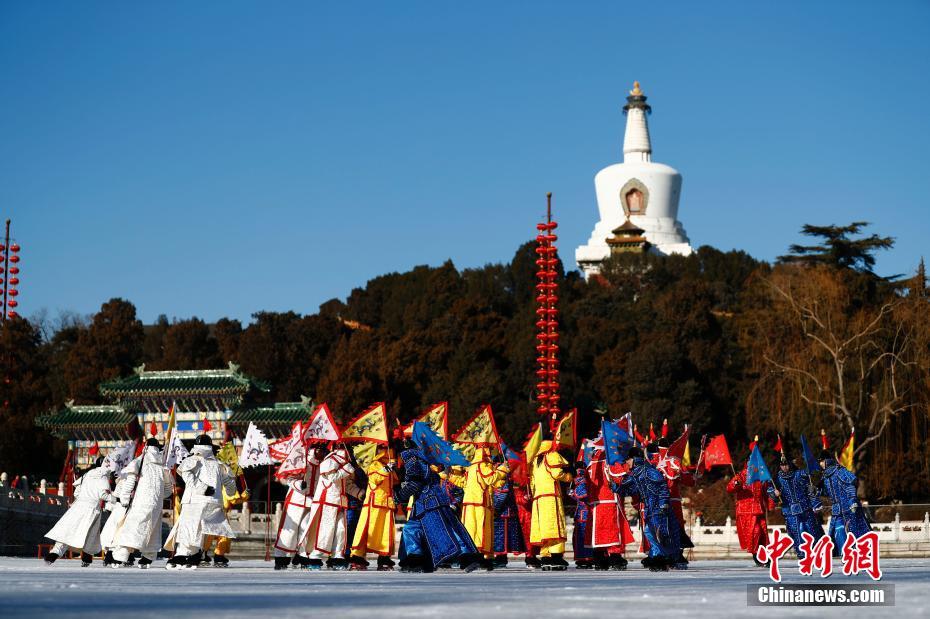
x=251 y=589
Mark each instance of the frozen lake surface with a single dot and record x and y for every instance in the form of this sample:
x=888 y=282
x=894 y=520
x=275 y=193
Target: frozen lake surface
x=251 y=589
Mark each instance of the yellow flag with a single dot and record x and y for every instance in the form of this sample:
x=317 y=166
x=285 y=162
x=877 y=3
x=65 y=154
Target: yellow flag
x=364 y=454
x=480 y=430
x=566 y=431
x=846 y=456
x=686 y=458
x=228 y=456
x=370 y=426
x=437 y=418
x=533 y=441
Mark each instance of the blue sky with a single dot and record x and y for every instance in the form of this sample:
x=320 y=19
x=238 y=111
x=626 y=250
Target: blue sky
x=220 y=158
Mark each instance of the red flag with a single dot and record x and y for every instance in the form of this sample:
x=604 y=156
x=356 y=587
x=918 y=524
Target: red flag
x=717 y=453
x=664 y=428
x=677 y=449
x=753 y=442
x=153 y=429
x=207 y=426
x=652 y=433
x=778 y=446
x=823 y=439
x=639 y=437
x=94 y=449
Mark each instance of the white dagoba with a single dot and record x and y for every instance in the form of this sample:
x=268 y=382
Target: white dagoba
x=638 y=189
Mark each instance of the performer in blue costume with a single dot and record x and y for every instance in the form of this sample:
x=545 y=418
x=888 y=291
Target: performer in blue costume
x=432 y=534
x=800 y=504
x=508 y=536
x=660 y=527
x=847 y=515
x=584 y=555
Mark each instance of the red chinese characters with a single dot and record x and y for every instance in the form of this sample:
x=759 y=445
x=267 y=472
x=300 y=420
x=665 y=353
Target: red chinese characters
x=862 y=555
x=817 y=555
x=773 y=551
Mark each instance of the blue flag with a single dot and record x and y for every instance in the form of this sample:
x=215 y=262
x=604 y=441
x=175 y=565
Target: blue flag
x=810 y=462
x=436 y=450
x=617 y=442
x=509 y=453
x=755 y=468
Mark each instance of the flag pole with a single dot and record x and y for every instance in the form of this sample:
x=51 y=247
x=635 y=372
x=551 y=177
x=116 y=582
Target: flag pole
x=268 y=519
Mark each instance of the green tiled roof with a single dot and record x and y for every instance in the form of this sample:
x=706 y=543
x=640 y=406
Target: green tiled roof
x=86 y=418
x=281 y=412
x=229 y=381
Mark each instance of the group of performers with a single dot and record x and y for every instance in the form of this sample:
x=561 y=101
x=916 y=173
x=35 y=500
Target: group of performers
x=337 y=513
x=800 y=499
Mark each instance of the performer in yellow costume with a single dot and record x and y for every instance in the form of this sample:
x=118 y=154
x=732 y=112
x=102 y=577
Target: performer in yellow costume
x=478 y=482
x=547 y=530
x=375 y=529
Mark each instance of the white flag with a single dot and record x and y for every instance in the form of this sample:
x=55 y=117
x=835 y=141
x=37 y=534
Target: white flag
x=254 y=448
x=321 y=428
x=119 y=457
x=176 y=452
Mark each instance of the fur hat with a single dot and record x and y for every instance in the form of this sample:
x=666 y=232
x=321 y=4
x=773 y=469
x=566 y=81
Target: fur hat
x=204 y=439
x=153 y=442
x=635 y=452
x=663 y=442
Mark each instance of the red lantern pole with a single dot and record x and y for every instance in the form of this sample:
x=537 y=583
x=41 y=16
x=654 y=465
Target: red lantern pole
x=547 y=372
x=6 y=263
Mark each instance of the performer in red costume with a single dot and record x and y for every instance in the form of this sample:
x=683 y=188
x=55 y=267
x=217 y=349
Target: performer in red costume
x=752 y=503
x=608 y=531
x=524 y=499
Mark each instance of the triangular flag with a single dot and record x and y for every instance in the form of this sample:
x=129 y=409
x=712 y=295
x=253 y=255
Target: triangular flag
x=153 y=429
x=436 y=417
x=823 y=439
x=679 y=447
x=94 y=449
x=294 y=464
x=227 y=454
x=617 y=442
x=436 y=450
x=254 y=448
x=652 y=433
x=686 y=456
x=370 y=426
x=756 y=469
x=717 y=453
x=566 y=431
x=810 y=462
x=364 y=454
x=176 y=451
x=118 y=458
x=778 y=446
x=207 y=426
x=281 y=448
x=664 y=428
x=533 y=441
x=480 y=430
x=321 y=428
x=753 y=443
x=846 y=456
x=169 y=438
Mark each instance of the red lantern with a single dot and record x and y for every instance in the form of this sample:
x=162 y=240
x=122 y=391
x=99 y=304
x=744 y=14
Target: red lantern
x=13 y=292
x=14 y=248
x=542 y=250
x=553 y=348
x=14 y=258
x=13 y=280
x=14 y=303
x=551 y=299
x=2 y=246
x=12 y=314
x=541 y=238
x=537 y=311
x=541 y=227
x=552 y=238
x=14 y=270
x=2 y=270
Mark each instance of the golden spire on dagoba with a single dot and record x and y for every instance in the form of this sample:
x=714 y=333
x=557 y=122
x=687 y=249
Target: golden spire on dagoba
x=636 y=92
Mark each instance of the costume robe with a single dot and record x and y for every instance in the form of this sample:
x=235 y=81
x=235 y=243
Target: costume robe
x=846 y=514
x=125 y=486
x=608 y=528
x=295 y=522
x=547 y=529
x=479 y=482
x=582 y=518
x=752 y=505
x=141 y=528
x=328 y=529
x=508 y=534
x=202 y=510
x=79 y=527
x=375 y=530
x=800 y=505
x=660 y=526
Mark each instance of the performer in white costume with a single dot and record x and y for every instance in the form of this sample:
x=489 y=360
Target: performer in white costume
x=326 y=537
x=202 y=510
x=292 y=531
x=125 y=487
x=141 y=530
x=79 y=527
